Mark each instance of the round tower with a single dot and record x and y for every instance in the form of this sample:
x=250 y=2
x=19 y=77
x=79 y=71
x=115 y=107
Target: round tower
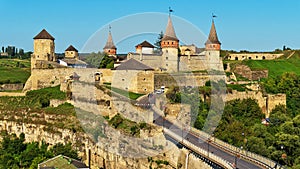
x=110 y=48
x=170 y=45
x=213 y=47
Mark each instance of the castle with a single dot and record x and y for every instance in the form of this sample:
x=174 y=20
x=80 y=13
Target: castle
x=142 y=64
x=176 y=58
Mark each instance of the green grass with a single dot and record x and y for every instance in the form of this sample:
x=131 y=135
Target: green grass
x=14 y=70
x=127 y=126
x=130 y=95
x=33 y=107
x=65 y=109
x=276 y=67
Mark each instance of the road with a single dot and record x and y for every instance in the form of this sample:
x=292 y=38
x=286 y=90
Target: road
x=202 y=143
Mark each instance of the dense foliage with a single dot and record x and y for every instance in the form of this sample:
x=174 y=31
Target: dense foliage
x=241 y=120
x=15 y=153
x=240 y=124
x=100 y=60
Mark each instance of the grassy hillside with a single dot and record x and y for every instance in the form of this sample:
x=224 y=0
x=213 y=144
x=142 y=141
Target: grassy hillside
x=277 y=67
x=14 y=70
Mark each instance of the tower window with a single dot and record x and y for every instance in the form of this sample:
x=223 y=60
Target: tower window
x=168 y=43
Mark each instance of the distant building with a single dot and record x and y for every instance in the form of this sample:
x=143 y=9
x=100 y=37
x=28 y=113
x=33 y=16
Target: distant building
x=43 y=49
x=144 y=48
x=175 y=58
x=71 y=58
x=253 y=56
x=71 y=52
x=134 y=76
x=4 y=54
x=62 y=162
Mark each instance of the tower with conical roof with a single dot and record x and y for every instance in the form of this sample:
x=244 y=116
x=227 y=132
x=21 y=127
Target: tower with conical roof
x=213 y=47
x=110 y=47
x=43 y=48
x=170 y=45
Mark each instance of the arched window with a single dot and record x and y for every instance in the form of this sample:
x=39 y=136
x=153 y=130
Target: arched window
x=236 y=58
x=263 y=57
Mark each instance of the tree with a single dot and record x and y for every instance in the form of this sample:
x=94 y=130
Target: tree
x=100 y=60
x=65 y=150
x=158 y=41
x=15 y=153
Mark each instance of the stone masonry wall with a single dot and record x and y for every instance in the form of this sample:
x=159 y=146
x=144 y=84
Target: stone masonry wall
x=266 y=103
x=18 y=86
x=246 y=72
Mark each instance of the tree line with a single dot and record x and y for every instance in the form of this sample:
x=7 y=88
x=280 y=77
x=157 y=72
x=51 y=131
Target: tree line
x=15 y=153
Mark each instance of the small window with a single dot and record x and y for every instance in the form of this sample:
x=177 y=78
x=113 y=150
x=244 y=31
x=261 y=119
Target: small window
x=249 y=58
x=236 y=58
x=172 y=43
x=263 y=57
x=145 y=89
x=167 y=58
x=168 y=43
x=256 y=57
x=166 y=64
x=123 y=79
x=166 y=51
x=108 y=50
x=144 y=79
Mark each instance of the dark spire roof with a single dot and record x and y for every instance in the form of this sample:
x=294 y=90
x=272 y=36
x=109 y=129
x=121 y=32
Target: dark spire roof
x=145 y=44
x=170 y=32
x=109 y=43
x=44 y=35
x=133 y=64
x=213 y=37
x=71 y=48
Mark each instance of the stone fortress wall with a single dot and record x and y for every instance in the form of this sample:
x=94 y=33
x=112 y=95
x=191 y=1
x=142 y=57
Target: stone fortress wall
x=253 y=56
x=266 y=102
x=246 y=72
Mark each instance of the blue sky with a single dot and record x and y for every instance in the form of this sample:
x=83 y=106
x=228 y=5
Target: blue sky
x=256 y=25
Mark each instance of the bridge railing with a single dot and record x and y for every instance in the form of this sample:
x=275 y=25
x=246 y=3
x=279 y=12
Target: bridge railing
x=263 y=161
x=199 y=150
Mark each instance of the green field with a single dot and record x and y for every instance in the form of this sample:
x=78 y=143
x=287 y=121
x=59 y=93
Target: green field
x=14 y=70
x=277 y=67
